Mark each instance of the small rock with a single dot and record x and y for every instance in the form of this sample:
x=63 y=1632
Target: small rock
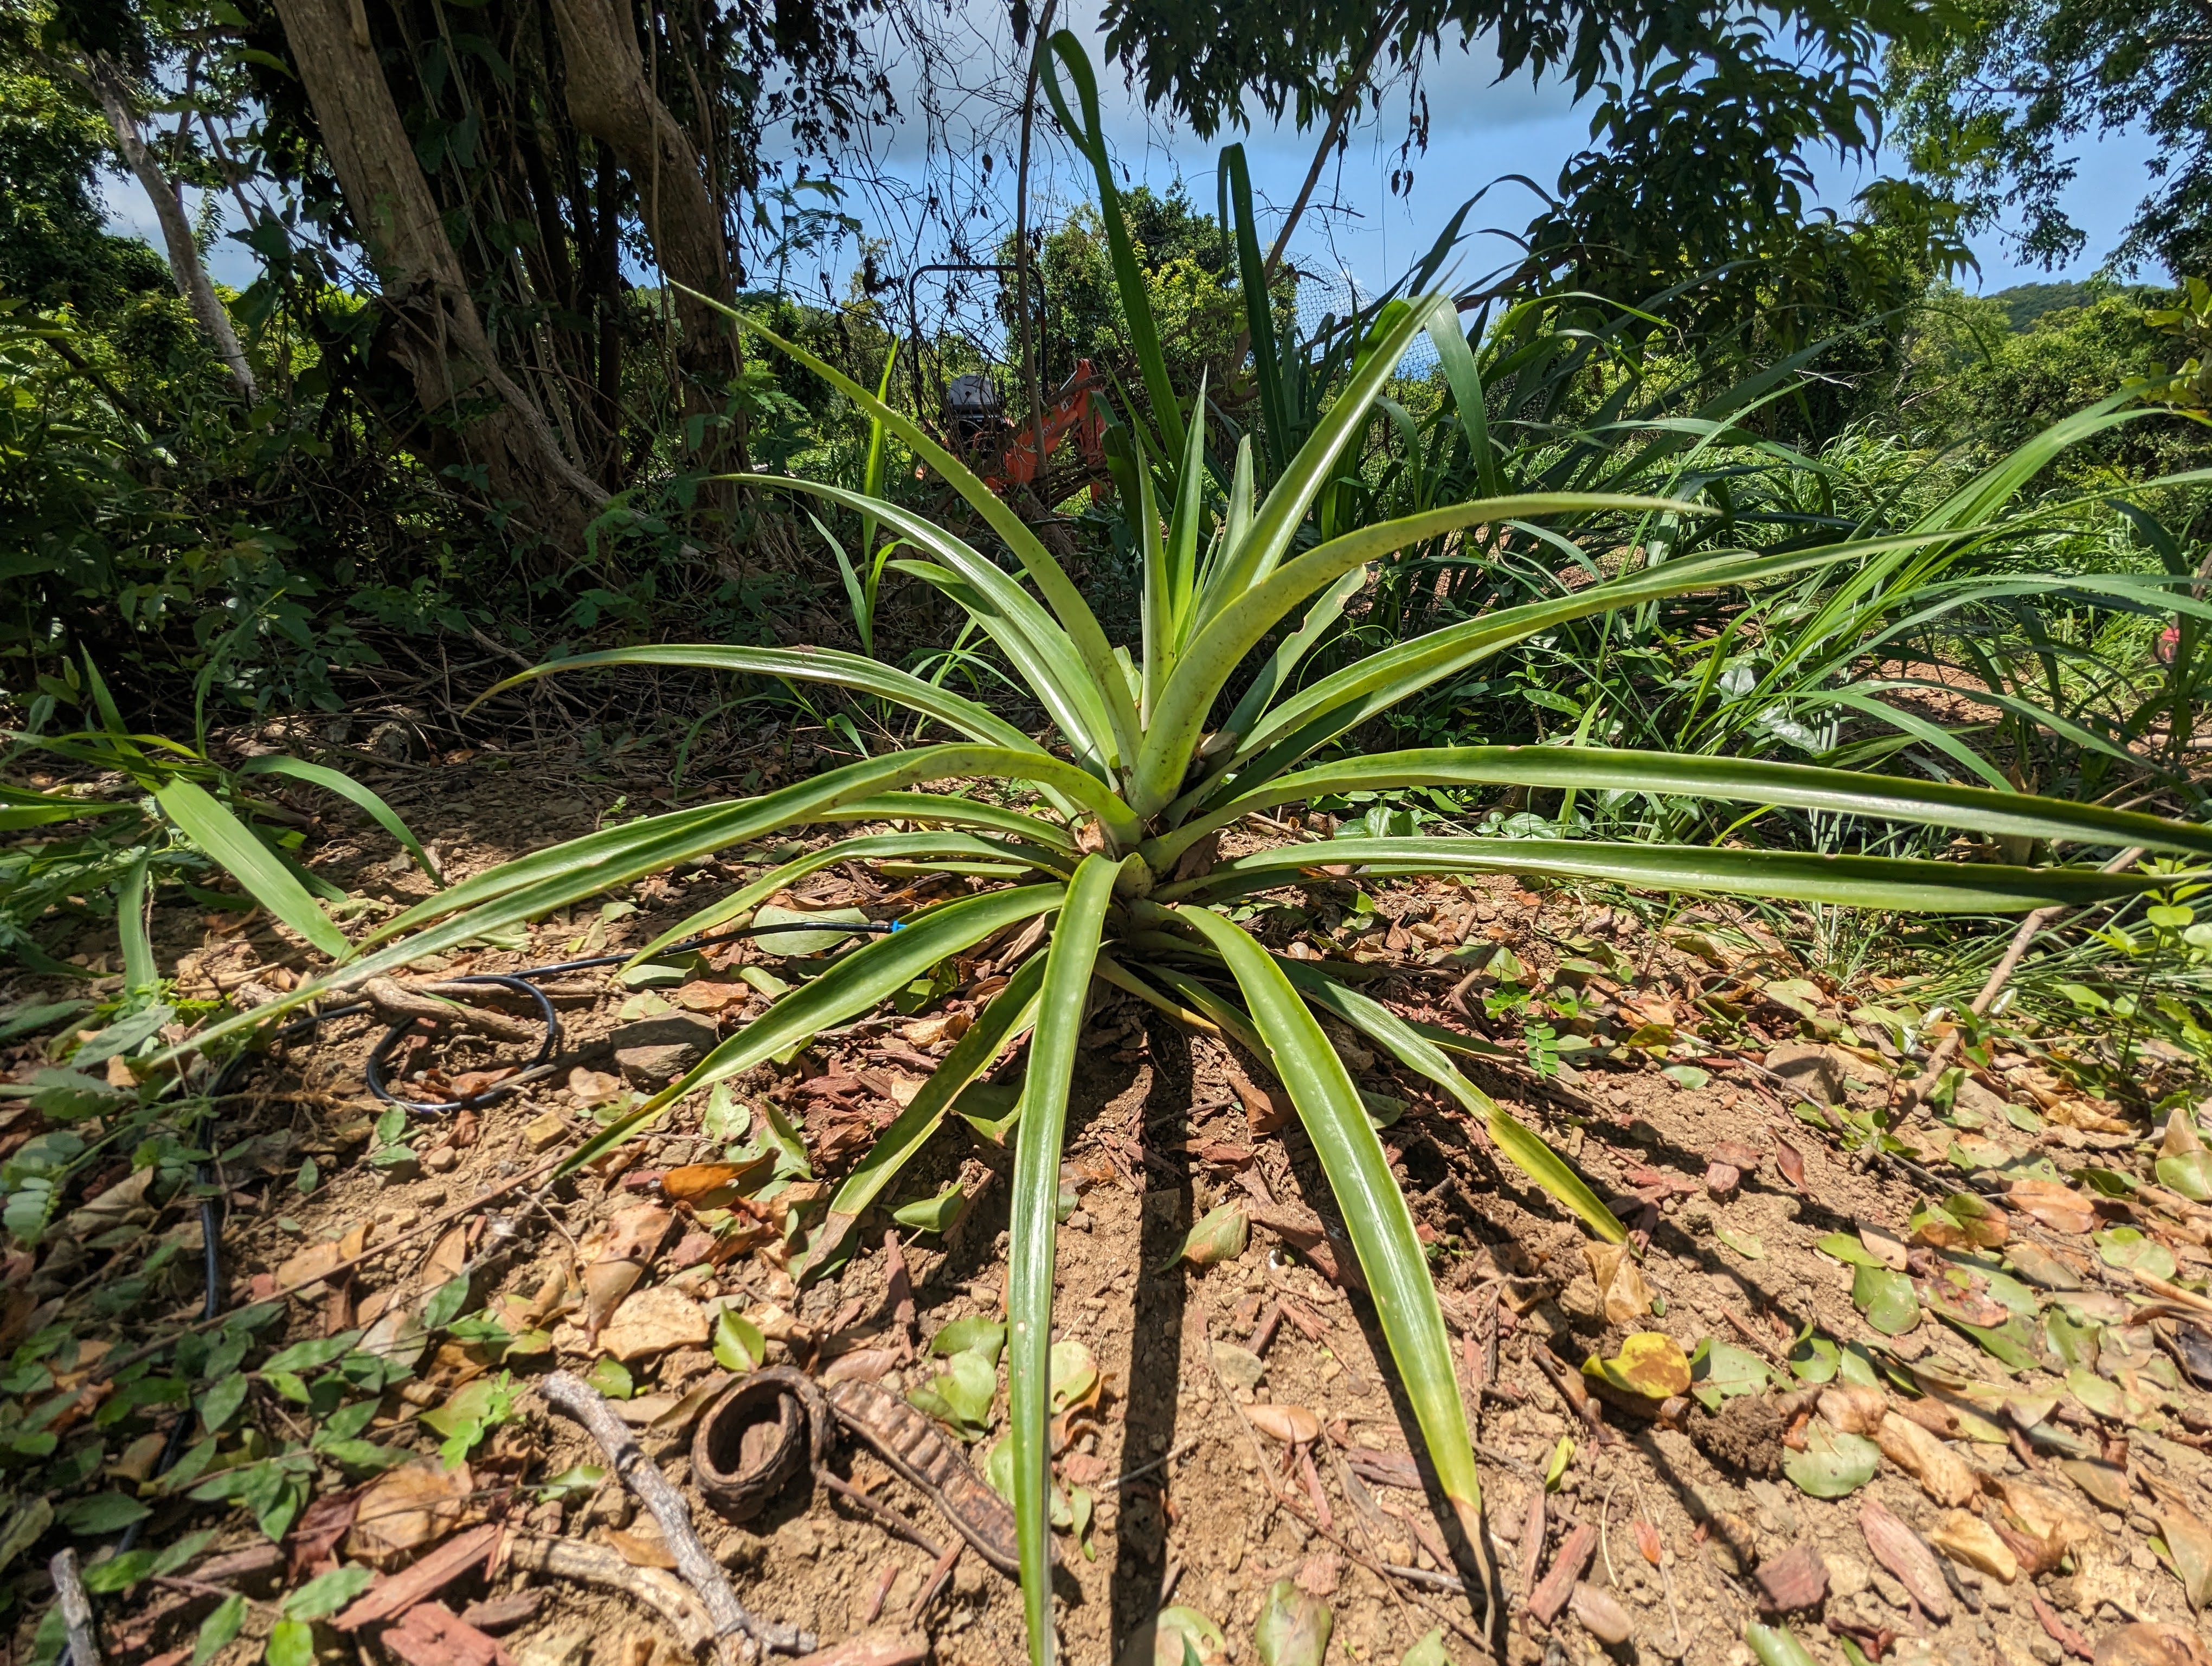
x=1795 y=1579
x=1722 y=1180
x=1601 y=1614
x=545 y=1133
x=1079 y=1221
x=647 y=1067
x=665 y=1030
x=1814 y=1072
x=568 y=1647
x=1969 y=1539
x=1240 y=1367
x=1847 y=1576
x=441 y=1160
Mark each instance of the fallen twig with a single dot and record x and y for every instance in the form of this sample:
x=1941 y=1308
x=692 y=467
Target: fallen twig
x=596 y=1565
x=581 y=1401
x=399 y=1004
x=76 y=1609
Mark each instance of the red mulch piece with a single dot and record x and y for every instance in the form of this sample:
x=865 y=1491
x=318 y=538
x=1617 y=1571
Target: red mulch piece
x=1796 y=1580
x=396 y=1593
x=505 y=1613
x=1551 y=1595
x=433 y=1635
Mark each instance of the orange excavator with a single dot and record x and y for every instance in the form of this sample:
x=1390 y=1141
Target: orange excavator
x=1004 y=451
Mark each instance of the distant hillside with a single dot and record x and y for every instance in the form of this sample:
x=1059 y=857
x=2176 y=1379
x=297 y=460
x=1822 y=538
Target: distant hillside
x=2024 y=303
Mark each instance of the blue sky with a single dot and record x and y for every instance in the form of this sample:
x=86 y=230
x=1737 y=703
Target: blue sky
x=1480 y=132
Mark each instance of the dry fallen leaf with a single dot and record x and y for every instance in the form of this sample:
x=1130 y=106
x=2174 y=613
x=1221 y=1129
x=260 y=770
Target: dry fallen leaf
x=2059 y=1206
x=1943 y=1473
x=641 y=1548
x=1791 y=1162
x=1907 y=1556
x=1853 y=1408
x=1647 y=1541
x=2147 y=1643
x=652 y=1321
x=715 y=1185
x=1969 y=1539
x=589 y=1087
x=1292 y=1424
x=407 y=1508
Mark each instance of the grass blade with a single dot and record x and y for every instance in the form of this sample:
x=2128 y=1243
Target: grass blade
x=1031 y=1226
x=226 y=842
x=333 y=780
x=870 y=974
x=1417 y=1053
x=142 y=973
x=1376 y=1217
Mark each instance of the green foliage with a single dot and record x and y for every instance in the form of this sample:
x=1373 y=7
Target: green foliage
x=1992 y=108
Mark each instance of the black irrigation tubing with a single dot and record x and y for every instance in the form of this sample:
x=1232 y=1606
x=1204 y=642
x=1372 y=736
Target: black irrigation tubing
x=226 y=1078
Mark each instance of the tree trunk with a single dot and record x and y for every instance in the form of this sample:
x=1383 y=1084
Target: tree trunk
x=185 y=263
x=610 y=99
x=433 y=332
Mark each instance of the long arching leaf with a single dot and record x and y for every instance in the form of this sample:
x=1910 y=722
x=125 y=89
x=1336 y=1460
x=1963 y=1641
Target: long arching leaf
x=1871 y=882
x=1417 y=1053
x=1797 y=785
x=1031 y=1224
x=1376 y=1217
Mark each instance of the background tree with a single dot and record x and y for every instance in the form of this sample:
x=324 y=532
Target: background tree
x=1990 y=109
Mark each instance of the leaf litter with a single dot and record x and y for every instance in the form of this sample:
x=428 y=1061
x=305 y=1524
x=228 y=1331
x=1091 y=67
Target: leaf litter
x=1960 y=1355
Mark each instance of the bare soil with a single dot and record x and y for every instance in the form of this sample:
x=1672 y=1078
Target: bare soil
x=1191 y=1502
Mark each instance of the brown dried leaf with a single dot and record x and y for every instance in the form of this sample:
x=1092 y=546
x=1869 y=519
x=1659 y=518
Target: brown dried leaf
x=2059 y=1206
x=1601 y=1614
x=1943 y=1475
x=1853 y=1408
x=1647 y=1541
x=1907 y=1556
x=404 y=1509
x=641 y=1548
x=1292 y=1424
x=1791 y=1162
x=1795 y=1579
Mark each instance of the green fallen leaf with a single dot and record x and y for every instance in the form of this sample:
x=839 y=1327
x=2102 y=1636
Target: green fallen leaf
x=1745 y=1244
x=327 y=1593
x=1220 y=1237
x=739 y=1344
x=1682 y=1075
x=973 y=1334
x=1429 y=1651
x=100 y=1514
x=2128 y=1247
x=291 y=1643
x=933 y=1214
x=1556 y=1470
x=1813 y=1359
x=2189 y=1174
x=1847 y=1249
x=798 y=944
x=611 y=1378
x=1721 y=1371
x=1074 y=1374
x=1887 y=1299
x=1293 y=1628
x=219 y=1629
x=1833 y=1463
